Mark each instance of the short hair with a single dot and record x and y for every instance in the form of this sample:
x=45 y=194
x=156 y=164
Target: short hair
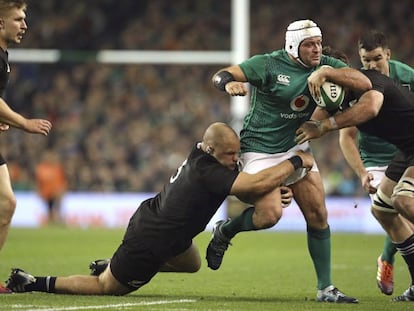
x=7 y=5
x=372 y=39
x=329 y=51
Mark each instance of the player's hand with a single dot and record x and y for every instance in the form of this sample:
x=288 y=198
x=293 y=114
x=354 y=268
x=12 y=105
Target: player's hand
x=286 y=195
x=235 y=88
x=38 y=126
x=315 y=81
x=4 y=127
x=310 y=130
x=366 y=179
x=307 y=159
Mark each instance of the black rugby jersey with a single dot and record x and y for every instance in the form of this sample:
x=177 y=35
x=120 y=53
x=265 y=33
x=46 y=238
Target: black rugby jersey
x=395 y=121
x=4 y=71
x=186 y=204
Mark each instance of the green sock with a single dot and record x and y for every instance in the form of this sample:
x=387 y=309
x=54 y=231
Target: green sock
x=389 y=250
x=243 y=222
x=319 y=246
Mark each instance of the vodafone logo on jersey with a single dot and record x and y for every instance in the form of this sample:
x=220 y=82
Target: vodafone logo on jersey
x=299 y=103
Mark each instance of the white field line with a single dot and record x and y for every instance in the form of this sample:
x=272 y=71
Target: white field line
x=101 y=307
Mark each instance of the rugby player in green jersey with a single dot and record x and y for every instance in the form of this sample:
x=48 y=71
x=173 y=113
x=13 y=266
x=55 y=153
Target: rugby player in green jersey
x=280 y=102
x=369 y=155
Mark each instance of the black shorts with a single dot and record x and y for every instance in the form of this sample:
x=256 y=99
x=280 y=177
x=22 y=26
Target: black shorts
x=134 y=266
x=398 y=166
x=138 y=258
x=2 y=160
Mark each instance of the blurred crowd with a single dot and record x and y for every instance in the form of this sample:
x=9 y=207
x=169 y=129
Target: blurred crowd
x=127 y=127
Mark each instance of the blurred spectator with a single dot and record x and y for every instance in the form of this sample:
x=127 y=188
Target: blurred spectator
x=19 y=176
x=123 y=128
x=51 y=185
x=116 y=128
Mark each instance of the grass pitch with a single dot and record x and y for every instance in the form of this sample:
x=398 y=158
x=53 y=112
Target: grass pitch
x=261 y=271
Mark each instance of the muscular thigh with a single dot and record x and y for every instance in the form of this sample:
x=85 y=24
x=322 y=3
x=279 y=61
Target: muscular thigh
x=401 y=171
x=5 y=185
x=309 y=194
x=403 y=194
x=270 y=201
x=386 y=186
x=187 y=261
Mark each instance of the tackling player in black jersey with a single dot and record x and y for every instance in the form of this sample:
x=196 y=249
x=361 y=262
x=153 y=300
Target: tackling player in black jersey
x=160 y=233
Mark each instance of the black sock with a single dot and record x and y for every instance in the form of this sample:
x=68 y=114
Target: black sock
x=42 y=284
x=406 y=250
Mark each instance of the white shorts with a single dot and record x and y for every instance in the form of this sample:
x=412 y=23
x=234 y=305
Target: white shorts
x=253 y=162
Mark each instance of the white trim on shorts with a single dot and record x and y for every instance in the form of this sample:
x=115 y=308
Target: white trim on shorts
x=253 y=162
x=378 y=172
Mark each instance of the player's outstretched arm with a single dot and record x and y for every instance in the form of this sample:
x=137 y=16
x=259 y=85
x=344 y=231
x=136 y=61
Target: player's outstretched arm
x=368 y=107
x=12 y=118
x=347 y=77
x=254 y=185
x=230 y=80
x=38 y=126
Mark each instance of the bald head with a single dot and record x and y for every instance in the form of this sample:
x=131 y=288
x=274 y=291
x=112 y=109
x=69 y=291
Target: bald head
x=223 y=143
x=219 y=133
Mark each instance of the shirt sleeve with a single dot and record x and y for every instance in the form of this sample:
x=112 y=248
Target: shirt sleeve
x=254 y=69
x=378 y=80
x=217 y=178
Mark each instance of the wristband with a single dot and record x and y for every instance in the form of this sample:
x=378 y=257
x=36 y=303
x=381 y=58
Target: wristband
x=332 y=121
x=221 y=79
x=296 y=162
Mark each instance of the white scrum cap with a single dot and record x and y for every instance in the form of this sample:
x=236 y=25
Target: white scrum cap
x=299 y=31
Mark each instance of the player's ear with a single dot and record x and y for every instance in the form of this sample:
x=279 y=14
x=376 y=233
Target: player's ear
x=388 y=53
x=209 y=149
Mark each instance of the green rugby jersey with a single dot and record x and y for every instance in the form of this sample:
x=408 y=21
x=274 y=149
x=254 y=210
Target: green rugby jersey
x=373 y=150
x=280 y=101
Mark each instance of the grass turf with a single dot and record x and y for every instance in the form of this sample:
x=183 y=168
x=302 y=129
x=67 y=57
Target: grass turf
x=261 y=271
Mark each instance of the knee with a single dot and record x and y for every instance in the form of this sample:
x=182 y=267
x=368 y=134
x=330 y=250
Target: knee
x=316 y=216
x=7 y=208
x=403 y=197
x=193 y=263
x=108 y=285
x=194 y=267
x=267 y=218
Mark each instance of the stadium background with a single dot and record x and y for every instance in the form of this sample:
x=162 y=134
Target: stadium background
x=122 y=129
